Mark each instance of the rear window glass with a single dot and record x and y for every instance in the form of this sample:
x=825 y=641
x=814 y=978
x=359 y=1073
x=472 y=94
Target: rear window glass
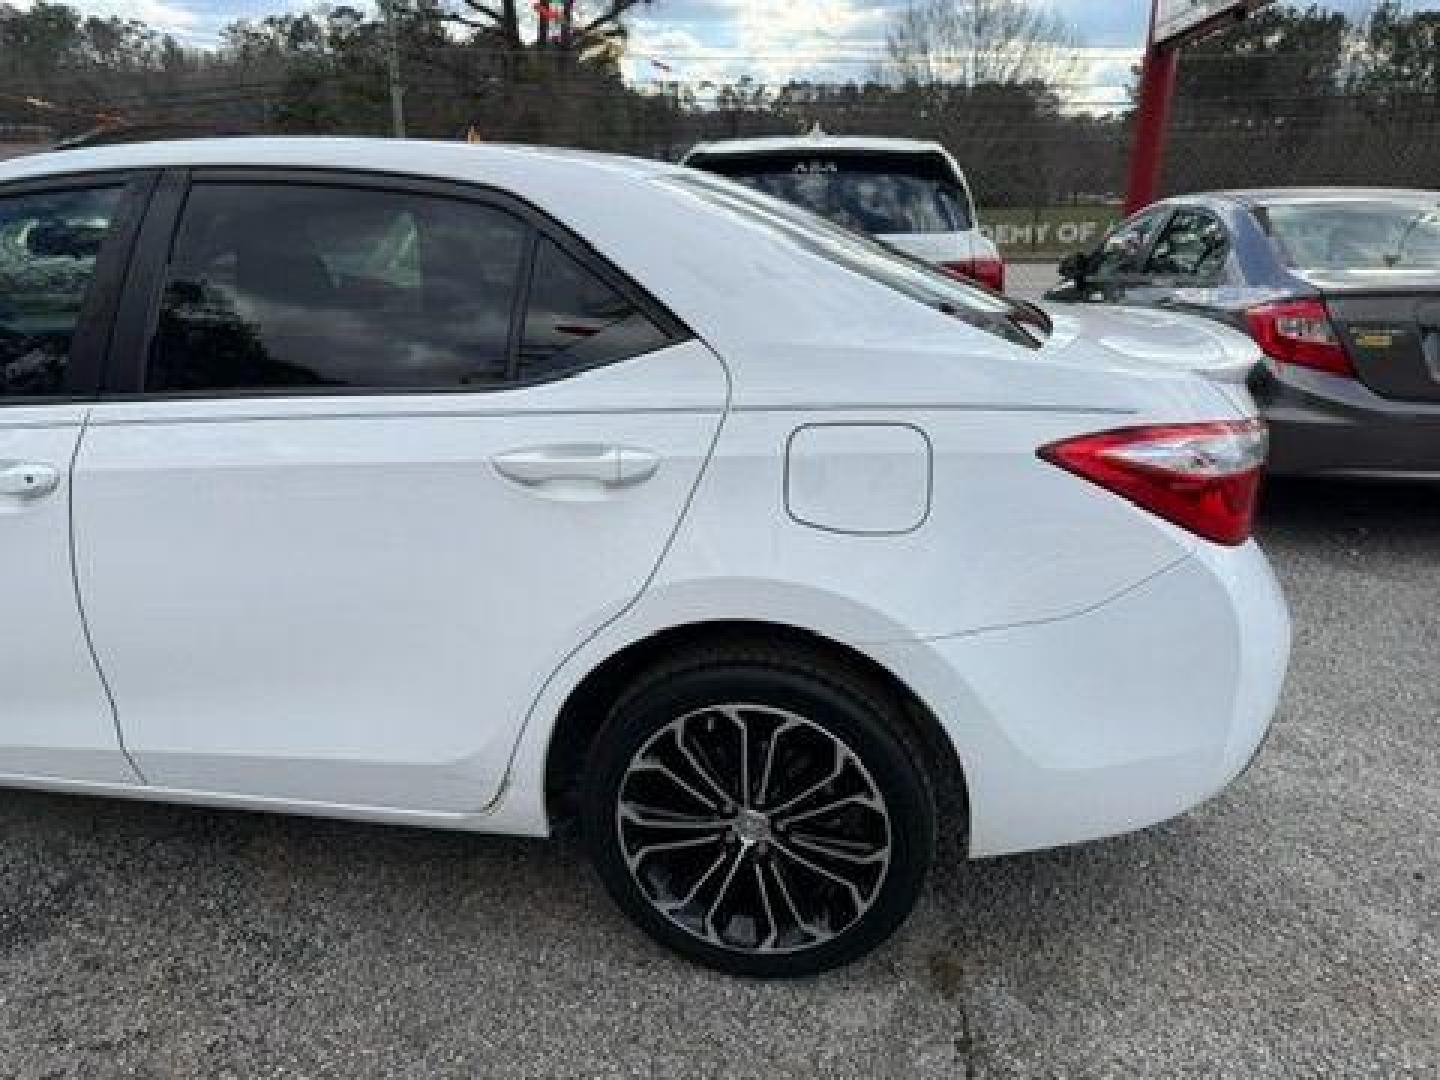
x=1360 y=234
x=990 y=311
x=871 y=192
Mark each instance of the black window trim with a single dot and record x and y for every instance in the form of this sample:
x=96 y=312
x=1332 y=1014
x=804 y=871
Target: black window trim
x=124 y=378
x=1163 y=214
x=1195 y=280
x=520 y=305
x=90 y=343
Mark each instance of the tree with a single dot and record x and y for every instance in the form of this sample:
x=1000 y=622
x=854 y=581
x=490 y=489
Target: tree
x=564 y=31
x=1281 y=61
x=1260 y=102
x=40 y=41
x=972 y=42
x=1394 y=105
x=1399 y=53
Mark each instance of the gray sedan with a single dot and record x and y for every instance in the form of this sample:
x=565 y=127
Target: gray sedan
x=1339 y=286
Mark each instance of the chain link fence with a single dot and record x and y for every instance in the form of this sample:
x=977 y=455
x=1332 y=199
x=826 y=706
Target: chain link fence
x=1047 y=182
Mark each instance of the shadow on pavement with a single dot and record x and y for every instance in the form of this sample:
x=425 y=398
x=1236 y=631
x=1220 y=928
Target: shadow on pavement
x=1409 y=510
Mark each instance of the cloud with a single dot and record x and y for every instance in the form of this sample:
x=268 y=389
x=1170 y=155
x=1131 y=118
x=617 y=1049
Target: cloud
x=724 y=40
x=1112 y=24
x=158 y=15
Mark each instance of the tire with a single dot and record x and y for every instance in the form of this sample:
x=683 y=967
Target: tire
x=802 y=876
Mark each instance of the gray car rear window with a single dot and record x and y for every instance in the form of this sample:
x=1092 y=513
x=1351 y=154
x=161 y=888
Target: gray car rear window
x=1356 y=234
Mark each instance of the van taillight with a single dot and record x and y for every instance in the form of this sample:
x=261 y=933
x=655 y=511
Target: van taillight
x=989 y=272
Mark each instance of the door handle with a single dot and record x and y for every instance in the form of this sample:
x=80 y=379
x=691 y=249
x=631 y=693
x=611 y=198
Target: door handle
x=28 y=480
x=582 y=465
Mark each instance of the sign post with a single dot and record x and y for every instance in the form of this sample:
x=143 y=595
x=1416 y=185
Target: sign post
x=1173 y=24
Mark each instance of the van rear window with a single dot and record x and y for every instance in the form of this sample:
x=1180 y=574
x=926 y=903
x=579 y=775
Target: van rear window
x=876 y=193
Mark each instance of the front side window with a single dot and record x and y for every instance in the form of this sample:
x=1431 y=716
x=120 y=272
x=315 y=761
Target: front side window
x=49 y=243
x=1193 y=245
x=1123 y=251
x=277 y=287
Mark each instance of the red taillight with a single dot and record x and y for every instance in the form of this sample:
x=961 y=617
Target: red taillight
x=1299 y=332
x=1203 y=477
x=989 y=272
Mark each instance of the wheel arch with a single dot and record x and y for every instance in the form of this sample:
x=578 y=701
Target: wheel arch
x=588 y=704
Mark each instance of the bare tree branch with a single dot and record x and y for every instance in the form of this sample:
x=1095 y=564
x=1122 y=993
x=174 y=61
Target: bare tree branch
x=484 y=9
x=609 y=17
x=970 y=42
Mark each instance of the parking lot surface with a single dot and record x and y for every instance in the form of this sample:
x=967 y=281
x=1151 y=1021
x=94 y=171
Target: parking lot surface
x=1290 y=928
x=1030 y=280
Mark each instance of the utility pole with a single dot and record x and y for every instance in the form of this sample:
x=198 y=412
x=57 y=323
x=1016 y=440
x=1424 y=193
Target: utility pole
x=397 y=87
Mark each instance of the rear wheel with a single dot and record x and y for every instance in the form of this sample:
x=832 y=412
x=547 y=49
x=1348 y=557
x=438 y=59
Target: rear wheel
x=758 y=813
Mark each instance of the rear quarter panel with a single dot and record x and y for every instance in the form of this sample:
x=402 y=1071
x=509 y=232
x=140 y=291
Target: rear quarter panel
x=1009 y=541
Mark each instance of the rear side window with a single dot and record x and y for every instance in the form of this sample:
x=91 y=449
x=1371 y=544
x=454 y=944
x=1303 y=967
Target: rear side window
x=277 y=287
x=1193 y=245
x=49 y=243
x=876 y=193
x=575 y=320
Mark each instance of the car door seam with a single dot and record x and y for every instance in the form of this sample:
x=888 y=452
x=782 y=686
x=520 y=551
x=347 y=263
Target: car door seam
x=1046 y=620
x=80 y=599
x=504 y=788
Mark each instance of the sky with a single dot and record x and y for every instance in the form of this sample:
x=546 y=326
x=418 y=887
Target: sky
x=769 y=40
x=772 y=40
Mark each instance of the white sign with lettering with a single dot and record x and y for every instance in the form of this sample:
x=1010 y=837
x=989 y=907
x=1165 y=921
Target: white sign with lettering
x=1176 y=18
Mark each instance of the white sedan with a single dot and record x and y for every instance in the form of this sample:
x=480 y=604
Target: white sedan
x=473 y=487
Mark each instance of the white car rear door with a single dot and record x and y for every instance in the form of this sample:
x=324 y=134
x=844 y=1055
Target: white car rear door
x=393 y=454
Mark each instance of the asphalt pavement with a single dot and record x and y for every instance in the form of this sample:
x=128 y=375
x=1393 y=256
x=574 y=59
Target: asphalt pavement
x=1291 y=928
x=1030 y=280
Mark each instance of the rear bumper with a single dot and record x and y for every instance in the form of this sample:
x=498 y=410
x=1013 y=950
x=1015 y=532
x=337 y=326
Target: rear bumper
x=1117 y=718
x=1325 y=425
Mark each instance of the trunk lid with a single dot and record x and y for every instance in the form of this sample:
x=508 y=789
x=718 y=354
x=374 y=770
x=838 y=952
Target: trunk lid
x=1391 y=329
x=1148 y=341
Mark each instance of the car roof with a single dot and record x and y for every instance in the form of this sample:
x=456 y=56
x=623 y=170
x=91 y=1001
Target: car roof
x=714 y=268
x=474 y=162
x=782 y=144
x=739 y=283
x=1265 y=196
